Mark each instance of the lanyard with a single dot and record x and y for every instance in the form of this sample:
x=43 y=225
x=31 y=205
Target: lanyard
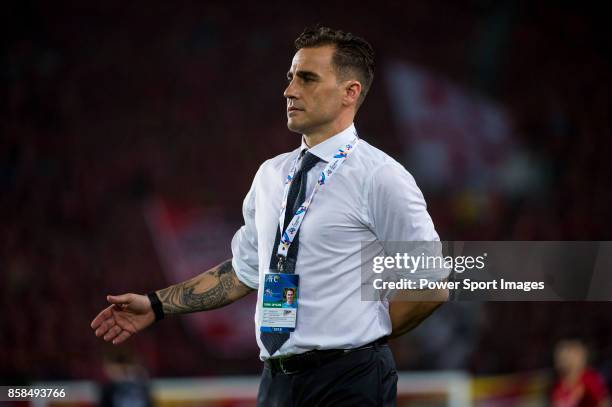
x=293 y=227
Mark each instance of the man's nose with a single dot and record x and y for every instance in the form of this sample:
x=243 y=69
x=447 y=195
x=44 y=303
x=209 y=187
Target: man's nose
x=290 y=92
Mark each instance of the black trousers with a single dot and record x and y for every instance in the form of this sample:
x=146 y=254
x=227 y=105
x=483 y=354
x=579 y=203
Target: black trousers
x=365 y=377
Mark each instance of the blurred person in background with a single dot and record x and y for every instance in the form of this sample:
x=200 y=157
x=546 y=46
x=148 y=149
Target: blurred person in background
x=127 y=385
x=577 y=384
x=339 y=347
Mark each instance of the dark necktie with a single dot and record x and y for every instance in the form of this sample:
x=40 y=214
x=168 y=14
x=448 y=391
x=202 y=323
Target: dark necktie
x=295 y=198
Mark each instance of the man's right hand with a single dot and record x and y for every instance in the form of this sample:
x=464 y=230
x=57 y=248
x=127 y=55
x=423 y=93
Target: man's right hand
x=131 y=313
x=128 y=314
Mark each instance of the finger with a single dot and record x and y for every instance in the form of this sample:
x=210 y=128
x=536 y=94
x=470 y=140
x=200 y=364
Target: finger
x=114 y=331
x=106 y=325
x=101 y=317
x=121 y=338
x=119 y=299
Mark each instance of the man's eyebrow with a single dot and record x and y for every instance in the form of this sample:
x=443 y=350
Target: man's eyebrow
x=304 y=75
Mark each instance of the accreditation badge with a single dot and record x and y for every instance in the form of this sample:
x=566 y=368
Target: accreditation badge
x=279 y=302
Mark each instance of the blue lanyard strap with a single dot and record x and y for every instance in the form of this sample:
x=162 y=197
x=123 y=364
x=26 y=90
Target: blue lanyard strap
x=295 y=223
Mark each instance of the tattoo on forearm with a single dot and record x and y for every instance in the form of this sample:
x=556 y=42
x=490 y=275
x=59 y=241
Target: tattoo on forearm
x=223 y=288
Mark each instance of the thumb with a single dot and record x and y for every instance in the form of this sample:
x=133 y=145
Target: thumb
x=119 y=299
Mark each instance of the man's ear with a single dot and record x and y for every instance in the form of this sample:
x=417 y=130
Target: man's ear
x=352 y=92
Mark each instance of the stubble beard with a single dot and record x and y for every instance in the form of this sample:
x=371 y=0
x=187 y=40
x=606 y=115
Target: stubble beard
x=295 y=127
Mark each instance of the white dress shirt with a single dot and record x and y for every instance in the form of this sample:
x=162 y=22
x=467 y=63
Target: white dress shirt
x=371 y=198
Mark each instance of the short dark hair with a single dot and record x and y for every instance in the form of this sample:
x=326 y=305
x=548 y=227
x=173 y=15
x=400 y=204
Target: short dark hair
x=352 y=53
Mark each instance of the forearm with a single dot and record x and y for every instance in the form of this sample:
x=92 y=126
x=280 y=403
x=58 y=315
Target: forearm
x=405 y=316
x=212 y=289
x=408 y=310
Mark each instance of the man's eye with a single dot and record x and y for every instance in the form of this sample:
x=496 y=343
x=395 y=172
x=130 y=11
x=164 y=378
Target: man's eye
x=303 y=79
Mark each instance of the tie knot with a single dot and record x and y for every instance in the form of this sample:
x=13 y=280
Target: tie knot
x=308 y=161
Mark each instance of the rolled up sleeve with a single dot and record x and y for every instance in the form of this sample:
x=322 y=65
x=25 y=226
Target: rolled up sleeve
x=245 y=260
x=399 y=218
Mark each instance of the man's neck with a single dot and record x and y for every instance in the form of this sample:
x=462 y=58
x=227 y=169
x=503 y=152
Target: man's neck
x=573 y=376
x=313 y=138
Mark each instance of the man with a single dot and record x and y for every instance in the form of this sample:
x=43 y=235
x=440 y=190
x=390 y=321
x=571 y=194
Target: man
x=289 y=298
x=577 y=384
x=337 y=344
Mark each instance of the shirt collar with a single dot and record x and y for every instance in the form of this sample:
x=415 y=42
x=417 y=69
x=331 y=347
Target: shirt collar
x=326 y=149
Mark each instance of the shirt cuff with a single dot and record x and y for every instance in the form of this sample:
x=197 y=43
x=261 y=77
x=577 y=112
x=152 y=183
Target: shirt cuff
x=245 y=276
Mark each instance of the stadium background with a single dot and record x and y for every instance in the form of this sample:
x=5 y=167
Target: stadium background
x=131 y=132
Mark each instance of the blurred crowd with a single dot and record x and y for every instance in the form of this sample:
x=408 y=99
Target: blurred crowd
x=107 y=105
